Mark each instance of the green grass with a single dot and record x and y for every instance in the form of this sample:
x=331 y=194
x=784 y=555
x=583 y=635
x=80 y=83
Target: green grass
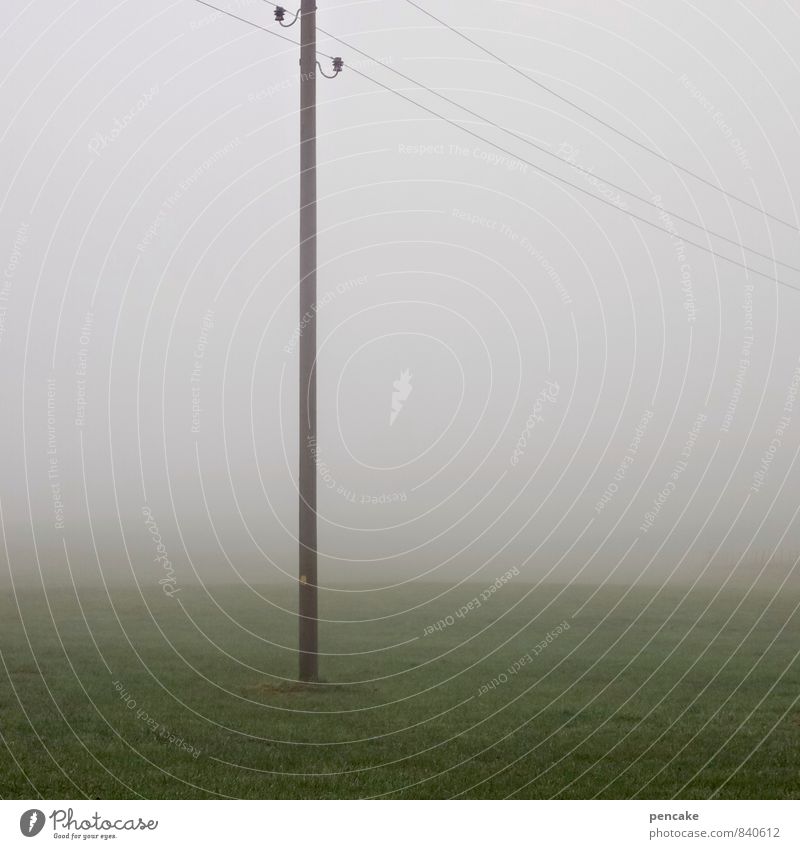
x=642 y=701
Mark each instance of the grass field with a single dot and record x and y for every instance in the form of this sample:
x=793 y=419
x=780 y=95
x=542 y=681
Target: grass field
x=645 y=695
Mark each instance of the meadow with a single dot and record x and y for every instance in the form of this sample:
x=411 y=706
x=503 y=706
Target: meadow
x=545 y=692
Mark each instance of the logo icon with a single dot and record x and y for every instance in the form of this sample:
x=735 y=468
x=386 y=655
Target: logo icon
x=402 y=389
x=31 y=822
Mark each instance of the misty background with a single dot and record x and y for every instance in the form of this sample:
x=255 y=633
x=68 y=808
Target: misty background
x=587 y=398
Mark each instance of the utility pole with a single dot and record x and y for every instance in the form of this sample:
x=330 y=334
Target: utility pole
x=307 y=608
x=307 y=535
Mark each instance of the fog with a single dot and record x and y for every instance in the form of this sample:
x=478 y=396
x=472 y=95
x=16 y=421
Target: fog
x=577 y=393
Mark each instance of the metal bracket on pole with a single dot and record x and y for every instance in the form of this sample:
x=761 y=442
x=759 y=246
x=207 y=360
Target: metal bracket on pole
x=280 y=14
x=338 y=66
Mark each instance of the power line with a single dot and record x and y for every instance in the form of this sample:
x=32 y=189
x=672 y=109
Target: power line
x=251 y=23
x=550 y=153
x=603 y=200
x=553 y=155
x=539 y=168
x=604 y=123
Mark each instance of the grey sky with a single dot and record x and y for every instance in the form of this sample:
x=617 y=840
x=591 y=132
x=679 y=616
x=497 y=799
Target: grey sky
x=563 y=358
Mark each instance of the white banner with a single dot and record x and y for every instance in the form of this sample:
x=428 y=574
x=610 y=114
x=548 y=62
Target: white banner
x=391 y=824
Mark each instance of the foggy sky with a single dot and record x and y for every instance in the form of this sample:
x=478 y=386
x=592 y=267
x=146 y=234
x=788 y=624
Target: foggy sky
x=582 y=386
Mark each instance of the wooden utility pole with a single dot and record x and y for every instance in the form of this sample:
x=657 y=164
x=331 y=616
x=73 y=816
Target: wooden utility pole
x=307 y=536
